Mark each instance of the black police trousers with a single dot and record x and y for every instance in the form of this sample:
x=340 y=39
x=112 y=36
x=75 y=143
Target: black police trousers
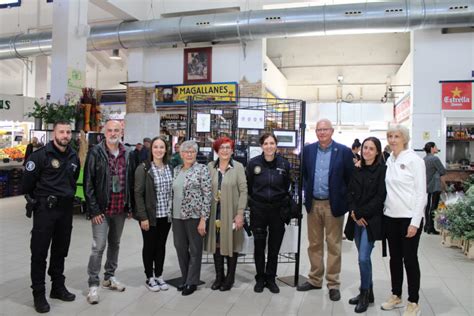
x=51 y=226
x=263 y=222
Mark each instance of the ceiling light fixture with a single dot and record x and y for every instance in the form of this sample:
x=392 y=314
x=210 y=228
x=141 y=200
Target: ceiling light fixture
x=115 y=55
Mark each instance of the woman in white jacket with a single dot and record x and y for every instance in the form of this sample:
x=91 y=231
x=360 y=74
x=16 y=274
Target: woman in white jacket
x=404 y=210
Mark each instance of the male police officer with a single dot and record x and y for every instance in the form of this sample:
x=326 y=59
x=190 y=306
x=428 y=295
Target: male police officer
x=49 y=182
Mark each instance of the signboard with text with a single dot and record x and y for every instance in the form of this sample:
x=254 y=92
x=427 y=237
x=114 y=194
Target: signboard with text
x=402 y=109
x=169 y=95
x=456 y=95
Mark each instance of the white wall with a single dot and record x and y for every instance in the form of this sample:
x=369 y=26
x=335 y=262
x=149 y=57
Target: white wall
x=437 y=57
x=165 y=65
x=274 y=80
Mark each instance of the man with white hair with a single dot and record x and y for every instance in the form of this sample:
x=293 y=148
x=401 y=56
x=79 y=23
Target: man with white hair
x=327 y=169
x=108 y=173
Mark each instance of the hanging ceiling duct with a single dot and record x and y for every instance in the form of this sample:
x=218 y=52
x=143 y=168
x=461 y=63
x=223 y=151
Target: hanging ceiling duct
x=369 y=16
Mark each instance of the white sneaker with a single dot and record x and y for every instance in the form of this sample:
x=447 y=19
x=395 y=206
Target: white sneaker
x=152 y=285
x=113 y=284
x=93 y=295
x=413 y=309
x=392 y=302
x=162 y=284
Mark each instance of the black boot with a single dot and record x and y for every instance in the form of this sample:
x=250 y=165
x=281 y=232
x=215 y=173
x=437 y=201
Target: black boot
x=41 y=304
x=62 y=294
x=219 y=266
x=259 y=286
x=272 y=286
x=355 y=300
x=363 y=303
x=230 y=278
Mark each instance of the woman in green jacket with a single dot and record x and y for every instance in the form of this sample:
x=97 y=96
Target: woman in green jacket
x=153 y=188
x=229 y=191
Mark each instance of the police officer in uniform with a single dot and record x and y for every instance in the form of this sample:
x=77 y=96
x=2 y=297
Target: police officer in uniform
x=49 y=182
x=268 y=179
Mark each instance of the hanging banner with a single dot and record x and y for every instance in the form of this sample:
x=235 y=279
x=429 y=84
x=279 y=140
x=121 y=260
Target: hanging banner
x=456 y=95
x=168 y=95
x=401 y=111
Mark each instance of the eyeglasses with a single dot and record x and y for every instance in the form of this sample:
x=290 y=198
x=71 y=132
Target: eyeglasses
x=323 y=130
x=225 y=148
x=189 y=152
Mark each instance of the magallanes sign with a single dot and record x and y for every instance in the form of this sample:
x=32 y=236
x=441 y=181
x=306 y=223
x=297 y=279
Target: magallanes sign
x=168 y=95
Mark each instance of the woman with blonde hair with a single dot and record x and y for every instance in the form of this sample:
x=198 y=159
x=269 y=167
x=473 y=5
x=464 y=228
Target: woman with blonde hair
x=404 y=210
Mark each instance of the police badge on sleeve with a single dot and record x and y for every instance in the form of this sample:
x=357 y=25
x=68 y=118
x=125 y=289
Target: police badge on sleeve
x=30 y=166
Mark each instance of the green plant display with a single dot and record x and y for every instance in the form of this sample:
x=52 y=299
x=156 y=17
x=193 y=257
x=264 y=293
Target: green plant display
x=39 y=111
x=460 y=216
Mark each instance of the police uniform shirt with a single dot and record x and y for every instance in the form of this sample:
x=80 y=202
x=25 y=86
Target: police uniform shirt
x=49 y=171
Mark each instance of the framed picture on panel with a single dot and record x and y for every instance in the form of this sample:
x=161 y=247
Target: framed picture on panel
x=286 y=139
x=198 y=65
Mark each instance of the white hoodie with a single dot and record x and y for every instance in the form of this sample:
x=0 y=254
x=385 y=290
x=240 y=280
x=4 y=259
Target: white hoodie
x=406 y=187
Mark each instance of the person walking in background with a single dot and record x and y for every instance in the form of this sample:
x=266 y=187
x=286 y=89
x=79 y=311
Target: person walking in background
x=108 y=179
x=404 y=209
x=32 y=147
x=434 y=171
x=366 y=197
x=176 y=158
x=145 y=151
x=229 y=190
x=327 y=170
x=49 y=182
x=356 y=150
x=153 y=191
x=192 y=196
x=268 y=178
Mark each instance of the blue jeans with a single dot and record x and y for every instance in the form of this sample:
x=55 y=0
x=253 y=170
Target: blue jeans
x=364 y=246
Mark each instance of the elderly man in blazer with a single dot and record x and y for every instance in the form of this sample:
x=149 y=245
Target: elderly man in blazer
x=327 y=168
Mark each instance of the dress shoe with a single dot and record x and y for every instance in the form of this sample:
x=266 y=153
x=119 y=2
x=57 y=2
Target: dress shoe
x=41 y=304
x=62 y=294
x=334 y=295
x=258 y=288
x=307 y=287
x=180 y=287
x=271 y=285
x=188 y=290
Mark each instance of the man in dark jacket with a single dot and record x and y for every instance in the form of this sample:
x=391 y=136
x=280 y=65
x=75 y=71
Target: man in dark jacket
x=108 y=176
x=327 y=169
x=49 y=183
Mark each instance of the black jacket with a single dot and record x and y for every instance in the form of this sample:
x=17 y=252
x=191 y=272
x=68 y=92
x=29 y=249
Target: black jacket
x=51 y=172
x=268 y=182
x=366 y=198
x=97 y=184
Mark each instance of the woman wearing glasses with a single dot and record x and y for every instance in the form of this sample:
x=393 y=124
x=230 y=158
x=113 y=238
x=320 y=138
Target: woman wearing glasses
x=191 y=205
x=229 y=190
x=268 y=178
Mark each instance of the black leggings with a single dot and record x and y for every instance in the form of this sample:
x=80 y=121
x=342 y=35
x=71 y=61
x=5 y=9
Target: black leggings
x=403 y=252
x=431 y=206
x=154 y=247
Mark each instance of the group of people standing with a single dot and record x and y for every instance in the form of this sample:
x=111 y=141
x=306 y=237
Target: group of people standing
x=204 y=206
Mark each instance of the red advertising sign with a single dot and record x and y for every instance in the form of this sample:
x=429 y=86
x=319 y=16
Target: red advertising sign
x=456 y=95
x=402 y=109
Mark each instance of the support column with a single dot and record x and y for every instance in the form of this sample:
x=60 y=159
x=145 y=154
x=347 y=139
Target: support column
x=70 y=31
x=141 y=119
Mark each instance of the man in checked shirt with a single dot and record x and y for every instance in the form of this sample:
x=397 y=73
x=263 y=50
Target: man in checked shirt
x=108 y=173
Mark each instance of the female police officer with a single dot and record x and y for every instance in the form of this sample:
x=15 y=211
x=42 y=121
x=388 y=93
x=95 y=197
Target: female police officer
x=268 y=180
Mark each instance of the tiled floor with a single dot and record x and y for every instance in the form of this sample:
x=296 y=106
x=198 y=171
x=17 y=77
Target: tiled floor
x=447 y=279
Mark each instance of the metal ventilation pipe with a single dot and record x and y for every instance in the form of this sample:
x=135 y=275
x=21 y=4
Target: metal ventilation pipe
x=389 y=16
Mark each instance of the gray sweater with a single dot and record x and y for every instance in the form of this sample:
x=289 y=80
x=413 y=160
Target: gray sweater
x=434 y=171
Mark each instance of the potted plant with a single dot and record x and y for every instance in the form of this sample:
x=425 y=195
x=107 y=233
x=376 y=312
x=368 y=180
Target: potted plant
x=38 y=113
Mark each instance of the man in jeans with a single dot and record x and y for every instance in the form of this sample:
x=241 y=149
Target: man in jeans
x=107 y=175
